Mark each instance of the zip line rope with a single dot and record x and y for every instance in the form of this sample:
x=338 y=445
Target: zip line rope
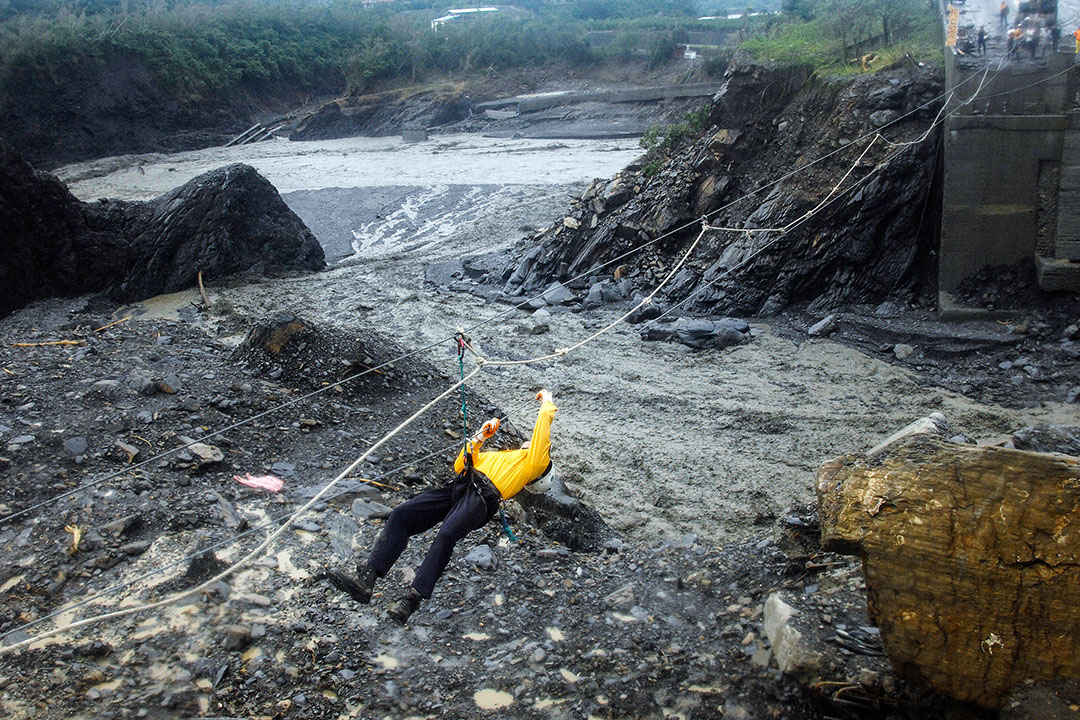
x=481 y=362
x=217 y=433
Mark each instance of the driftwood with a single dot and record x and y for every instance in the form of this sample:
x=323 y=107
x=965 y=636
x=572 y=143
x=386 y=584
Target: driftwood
x=971 y=556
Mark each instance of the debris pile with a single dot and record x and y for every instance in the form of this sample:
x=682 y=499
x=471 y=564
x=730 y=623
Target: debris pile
x=864 y=245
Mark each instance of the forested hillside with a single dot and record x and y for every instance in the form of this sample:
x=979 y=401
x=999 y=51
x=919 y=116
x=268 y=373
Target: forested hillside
x=98 y=77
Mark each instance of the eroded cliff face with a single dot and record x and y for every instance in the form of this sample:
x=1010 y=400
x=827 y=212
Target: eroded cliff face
x=823 y=162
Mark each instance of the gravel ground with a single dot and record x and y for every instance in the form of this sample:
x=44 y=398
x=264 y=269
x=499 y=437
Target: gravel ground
x=697 y=460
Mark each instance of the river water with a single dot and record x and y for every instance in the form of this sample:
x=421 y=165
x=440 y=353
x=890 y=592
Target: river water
x=371 y=196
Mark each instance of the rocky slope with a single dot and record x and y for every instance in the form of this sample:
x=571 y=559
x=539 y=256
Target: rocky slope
x=225 y=221
x=872 y=238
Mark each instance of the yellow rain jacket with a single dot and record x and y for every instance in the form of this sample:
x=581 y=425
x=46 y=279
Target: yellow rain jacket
x=511 y=470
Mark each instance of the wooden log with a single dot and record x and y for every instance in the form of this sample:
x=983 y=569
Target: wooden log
x=971 y=556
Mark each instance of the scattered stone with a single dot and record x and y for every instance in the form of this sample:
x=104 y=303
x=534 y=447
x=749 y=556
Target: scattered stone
x=254 y=599
x=206 y=454
x=169 y=385
x=482 y=558
x=237 y=637
x=883 y=117
x=557 y=294
x=142 y=384
x=822 y=327
x=131 y=451
x=621 y=599
x=793 y=656
x=364 y=509
x=22 y=440
x=903 y=351
x=1073 y=394
x=137 y=547
x=233 y=519
x=76 y=446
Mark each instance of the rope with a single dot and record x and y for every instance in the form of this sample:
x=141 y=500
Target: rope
x=252 y=554
x=470 y=328
x=462 y=341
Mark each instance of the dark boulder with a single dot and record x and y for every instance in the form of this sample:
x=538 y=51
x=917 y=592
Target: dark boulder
x=565 y=519
x=701 y=334
x=47 y=244
x=225 y=221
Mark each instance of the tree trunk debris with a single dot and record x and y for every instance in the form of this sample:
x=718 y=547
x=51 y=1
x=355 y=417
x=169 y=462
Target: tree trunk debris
x=970 y=557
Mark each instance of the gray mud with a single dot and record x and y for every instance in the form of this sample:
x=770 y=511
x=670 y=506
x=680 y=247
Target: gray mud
x=660 y=439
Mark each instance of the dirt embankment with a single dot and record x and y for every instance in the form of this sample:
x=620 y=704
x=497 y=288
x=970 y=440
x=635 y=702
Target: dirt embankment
x=114 y=105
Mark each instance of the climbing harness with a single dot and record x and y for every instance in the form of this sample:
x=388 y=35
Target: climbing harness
x=468 y=474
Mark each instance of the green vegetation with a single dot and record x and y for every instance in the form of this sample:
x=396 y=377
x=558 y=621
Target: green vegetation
x=198 y=48
x=661 y=141
x=831 y=35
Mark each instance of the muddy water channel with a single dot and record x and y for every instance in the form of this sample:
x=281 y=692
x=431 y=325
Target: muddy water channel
x=663 y=441
x=373 y=195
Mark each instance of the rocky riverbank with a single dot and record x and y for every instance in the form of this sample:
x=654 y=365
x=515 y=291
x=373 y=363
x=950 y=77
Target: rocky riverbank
x=700 y=466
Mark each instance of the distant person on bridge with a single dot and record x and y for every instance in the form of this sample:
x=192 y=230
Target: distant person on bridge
x=1012 y=44
x=1033 y=36
x=982 y=40
x=1055 y=36
x=464 y=504
x=1004 y=13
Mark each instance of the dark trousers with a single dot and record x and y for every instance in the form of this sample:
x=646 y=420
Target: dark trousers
x=461 y=508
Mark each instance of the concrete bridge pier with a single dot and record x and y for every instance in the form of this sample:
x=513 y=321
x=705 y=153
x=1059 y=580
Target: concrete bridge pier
x=1011 y=185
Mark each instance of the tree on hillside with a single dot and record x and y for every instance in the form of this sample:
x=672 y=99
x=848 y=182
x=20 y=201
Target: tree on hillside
x=801 y=9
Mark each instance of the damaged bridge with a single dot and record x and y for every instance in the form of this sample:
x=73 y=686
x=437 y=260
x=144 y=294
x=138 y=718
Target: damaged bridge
x=1012 y=157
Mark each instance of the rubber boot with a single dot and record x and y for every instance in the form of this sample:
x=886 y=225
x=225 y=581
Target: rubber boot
x=400 y=611
x=359 y=588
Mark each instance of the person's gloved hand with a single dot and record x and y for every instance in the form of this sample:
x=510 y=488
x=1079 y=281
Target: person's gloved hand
x=489 y=428
x=544 y=396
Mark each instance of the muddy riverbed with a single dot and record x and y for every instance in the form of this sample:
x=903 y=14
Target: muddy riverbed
x=661 y=439
x=700 y=463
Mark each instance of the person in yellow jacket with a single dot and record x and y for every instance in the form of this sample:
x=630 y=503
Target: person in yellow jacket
x=462 y=505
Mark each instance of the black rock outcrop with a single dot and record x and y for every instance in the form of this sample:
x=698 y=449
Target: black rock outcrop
x=225 y=221
x=868 y=236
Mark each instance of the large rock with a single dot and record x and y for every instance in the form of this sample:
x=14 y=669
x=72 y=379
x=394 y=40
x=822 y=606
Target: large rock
x=562 y=517
x=701 y=334
x=971 y=558
x=222 y=222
